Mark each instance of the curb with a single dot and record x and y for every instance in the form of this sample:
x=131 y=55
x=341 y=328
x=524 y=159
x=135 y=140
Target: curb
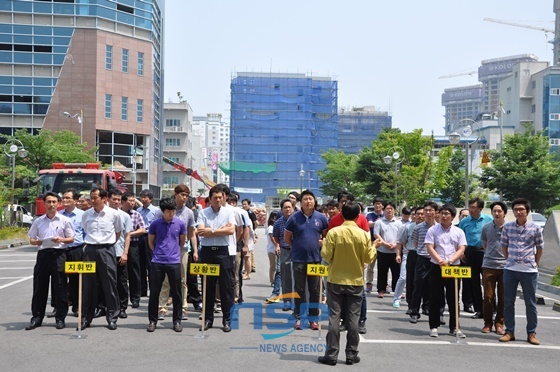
x=10 y=244
x=549 y=288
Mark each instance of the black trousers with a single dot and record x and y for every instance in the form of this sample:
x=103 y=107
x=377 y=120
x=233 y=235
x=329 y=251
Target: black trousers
x=421 y=292
x=226 y=281
x=474 y=258
x=122 y=284
x=300 y=280
x=74 y=254
x=386 y=261
x=50 y=264
x=410 y=268
x=193 y=295
x=145 y=254
x=133 y=267
x=438 y=286
x=158 y=272
x=106 y=274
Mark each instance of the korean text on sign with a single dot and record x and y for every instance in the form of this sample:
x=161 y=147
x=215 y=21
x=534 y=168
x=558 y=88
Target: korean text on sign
x=77 y=267
x=455 y=272
x=317 y=270
x=205 y=269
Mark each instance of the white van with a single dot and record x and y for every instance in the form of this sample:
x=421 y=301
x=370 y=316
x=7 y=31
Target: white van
x=26 y=217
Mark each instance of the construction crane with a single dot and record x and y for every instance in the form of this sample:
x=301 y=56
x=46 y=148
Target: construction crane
x=544 y=29
x=469 y=72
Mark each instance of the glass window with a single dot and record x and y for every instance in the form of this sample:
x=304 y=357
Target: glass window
x=108 y=57
x=20 y=57
x=125 y=60
x=108 y=104
x=124 y=108
x=140 y=110
x=175 y=142
x=140 y=63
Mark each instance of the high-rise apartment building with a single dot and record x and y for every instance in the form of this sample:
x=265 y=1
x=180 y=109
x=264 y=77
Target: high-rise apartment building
x=280 y=125
x=214 y=135
x=461 y=103
x=359 y=126
x=99 y=59
x=177 y=144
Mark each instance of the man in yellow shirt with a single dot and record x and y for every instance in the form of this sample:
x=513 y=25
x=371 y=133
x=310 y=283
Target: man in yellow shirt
x=347 y=248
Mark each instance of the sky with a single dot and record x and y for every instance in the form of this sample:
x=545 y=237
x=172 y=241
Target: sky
x=387 y=54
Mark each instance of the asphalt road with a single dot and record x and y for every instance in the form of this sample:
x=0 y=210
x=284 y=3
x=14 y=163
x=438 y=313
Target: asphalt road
x=390 y=343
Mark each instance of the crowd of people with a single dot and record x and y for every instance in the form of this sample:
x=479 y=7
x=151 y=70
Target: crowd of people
x=137 y=246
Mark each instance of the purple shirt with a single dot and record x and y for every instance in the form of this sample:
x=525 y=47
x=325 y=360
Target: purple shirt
x=166 y=244
x=446 y=241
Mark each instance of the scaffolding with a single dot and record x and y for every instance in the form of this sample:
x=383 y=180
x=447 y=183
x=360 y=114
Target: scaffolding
x=285 y=119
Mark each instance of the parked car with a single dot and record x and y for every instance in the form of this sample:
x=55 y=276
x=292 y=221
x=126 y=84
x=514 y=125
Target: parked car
x=538 y=219
x=23 y=216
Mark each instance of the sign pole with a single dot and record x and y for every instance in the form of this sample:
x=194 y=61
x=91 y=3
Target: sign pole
x=80 y=305
x=203 y=306
x=204 y=270
x=457 y=309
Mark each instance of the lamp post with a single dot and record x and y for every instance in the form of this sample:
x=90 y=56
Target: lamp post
x=465 y=127
x=395 y=153
x=80 y=118
x=11 y=148
x=301 y=175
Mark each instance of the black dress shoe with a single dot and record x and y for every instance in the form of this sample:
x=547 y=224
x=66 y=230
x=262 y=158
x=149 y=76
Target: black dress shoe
x=227 y=327
x=477 y=315
x=135 y=305
x=207 y=324
x=151 y=327
x=123 y=314
x=354 y=360
x=99 y=313
x=441 y=320
x=60 y=324
x=52 y=315
x=85 y=324
x=469 y=309
x=32 y=325
x=327 y=361
x=112 y=326
x=342 y=327
x=362 y=327
x=177 y=327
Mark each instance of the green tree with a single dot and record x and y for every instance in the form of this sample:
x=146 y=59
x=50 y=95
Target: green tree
x=43 y=149
x=339 y=174
x=524 y=169
x=413 y=175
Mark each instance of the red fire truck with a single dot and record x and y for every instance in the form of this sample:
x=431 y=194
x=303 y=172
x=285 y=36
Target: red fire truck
x=80 y=176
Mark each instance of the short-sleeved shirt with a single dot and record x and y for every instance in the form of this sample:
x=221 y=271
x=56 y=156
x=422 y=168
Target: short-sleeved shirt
x=137 y=223
x=270 y=247
x=493 y=254
x=389 y=231
x=76 y=217
x=102 y=227
x=149 y=214
x=372 y=216
x=473 y=229
x=306 y=234
x=45 y=227
x=338 y=220
x=216 y=220
x=419 y=236
x=405 y=237
x=278 y=231
x=446 y=241
x=127 y=228
x=522 y=242
x=166 y=244
x=187 y=216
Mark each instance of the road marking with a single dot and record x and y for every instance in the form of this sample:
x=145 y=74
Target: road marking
x=16 y=282
x=11 y=277
x=462 y=314
x=485 y=344
x=15 y=268
x=17 y=261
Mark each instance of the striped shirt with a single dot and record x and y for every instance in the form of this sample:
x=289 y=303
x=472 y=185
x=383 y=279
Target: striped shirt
x=278 y=231
x=405 y=237
x=137 y=223
x=418 y=237
x=522 y=242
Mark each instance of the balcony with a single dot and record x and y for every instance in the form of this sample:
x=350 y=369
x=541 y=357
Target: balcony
x=173 y=129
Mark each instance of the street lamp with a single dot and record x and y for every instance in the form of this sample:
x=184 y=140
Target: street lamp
x=465 y=127
x=301 y=175
x=11 y=148
x=395 y=153
x=80 y=118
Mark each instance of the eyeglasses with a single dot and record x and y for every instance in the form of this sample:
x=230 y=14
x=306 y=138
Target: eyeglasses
x=519 y=210
x=445 y=213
